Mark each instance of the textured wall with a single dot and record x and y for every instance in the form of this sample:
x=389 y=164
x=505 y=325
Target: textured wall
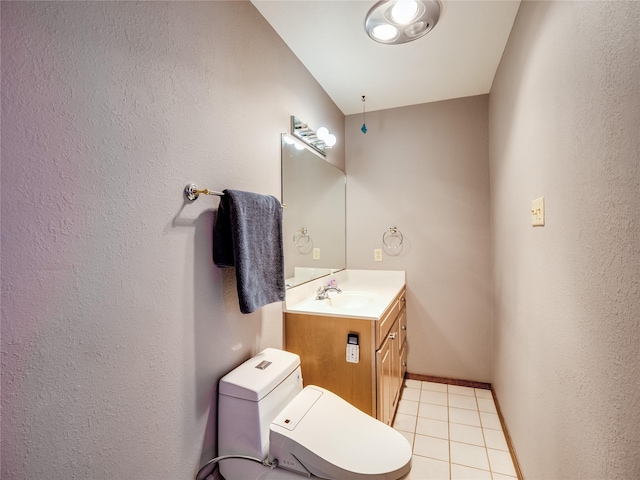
x=425 y=170
x=565 y=123
x=116 y=325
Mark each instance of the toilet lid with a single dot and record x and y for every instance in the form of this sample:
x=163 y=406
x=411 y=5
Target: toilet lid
x=328 y=437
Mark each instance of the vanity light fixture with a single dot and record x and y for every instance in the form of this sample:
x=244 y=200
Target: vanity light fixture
x=329 y=139
x=401 y=21
x=319 y=140
x=291 y=141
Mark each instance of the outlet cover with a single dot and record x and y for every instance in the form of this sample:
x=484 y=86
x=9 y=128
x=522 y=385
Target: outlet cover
x=316 y=254
x=537 y=212
x=377 y=254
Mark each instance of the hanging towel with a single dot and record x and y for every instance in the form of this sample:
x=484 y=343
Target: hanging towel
x=248 y=236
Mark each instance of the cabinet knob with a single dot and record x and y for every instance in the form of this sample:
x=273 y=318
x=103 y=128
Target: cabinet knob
x=404 y=364
x=404 y=327
x=392 y=336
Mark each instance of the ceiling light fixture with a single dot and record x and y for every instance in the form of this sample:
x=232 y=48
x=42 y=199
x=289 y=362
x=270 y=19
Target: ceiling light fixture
x=401 y=21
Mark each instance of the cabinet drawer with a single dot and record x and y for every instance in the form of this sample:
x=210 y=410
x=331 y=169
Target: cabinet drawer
x=384 y=324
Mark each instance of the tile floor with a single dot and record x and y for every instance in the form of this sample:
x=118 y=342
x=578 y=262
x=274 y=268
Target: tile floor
x=455 y=433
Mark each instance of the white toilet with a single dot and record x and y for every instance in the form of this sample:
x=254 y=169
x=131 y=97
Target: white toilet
x=264 y=413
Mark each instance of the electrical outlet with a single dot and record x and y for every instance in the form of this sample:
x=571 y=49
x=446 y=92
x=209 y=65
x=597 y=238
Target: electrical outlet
x=316 y=254
x=377 y=254
x=537 y=212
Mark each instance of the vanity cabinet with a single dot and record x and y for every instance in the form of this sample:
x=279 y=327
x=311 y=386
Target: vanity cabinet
x=373 y=384
x=391 y=367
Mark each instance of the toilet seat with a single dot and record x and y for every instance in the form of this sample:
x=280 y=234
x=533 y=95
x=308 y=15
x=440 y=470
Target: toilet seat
x=320 y=434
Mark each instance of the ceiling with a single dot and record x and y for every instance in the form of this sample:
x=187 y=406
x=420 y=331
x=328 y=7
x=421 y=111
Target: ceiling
x=458 y=58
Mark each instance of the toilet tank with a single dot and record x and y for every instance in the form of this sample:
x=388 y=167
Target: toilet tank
x=251 y=396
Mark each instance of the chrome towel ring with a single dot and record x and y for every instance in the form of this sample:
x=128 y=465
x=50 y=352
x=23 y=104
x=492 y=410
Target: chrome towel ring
x=301 y=238
x=392 y=238
x=302 y=241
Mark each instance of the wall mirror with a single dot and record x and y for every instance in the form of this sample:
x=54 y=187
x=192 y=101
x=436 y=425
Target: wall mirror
x=314 y=217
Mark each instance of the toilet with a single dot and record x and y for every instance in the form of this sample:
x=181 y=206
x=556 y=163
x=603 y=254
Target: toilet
x=264 y=413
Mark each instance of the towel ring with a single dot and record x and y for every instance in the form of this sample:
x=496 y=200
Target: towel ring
x=299 y=236
x=389 y=236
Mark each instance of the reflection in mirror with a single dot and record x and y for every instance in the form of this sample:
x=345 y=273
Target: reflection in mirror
x=314 y=218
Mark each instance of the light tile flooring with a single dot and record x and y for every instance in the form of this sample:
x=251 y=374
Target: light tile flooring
x=455 y=433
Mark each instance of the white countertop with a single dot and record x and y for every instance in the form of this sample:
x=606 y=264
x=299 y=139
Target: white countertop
x=365 y=294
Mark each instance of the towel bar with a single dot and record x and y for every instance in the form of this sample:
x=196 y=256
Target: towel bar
x=191 y=192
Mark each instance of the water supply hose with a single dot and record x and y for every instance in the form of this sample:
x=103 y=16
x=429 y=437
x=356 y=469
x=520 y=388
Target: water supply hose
x=214 y=461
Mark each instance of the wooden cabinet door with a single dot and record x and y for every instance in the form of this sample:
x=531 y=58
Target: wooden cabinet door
x=396 y=369
x=384 y=358
x=321 y=343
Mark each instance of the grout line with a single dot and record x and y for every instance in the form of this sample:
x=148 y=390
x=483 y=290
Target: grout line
x=486 y=450
x=484 y=439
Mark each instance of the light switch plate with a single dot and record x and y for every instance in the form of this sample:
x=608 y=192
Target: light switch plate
x=537 y=212
x=377 y=254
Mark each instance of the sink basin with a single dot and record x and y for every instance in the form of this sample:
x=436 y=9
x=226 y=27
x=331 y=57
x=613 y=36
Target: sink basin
x=365 y=294
x=349 y=300
x=350 y=303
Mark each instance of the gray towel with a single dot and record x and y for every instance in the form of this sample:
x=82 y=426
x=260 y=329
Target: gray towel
x=248 y=235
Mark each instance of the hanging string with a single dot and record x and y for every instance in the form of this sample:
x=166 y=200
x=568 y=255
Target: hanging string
x=363 y=129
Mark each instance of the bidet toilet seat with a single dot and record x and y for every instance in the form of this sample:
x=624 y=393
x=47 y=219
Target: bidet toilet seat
x=321 y=434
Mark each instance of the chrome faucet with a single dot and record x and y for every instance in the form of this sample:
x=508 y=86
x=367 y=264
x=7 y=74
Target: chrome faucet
x=323 y=292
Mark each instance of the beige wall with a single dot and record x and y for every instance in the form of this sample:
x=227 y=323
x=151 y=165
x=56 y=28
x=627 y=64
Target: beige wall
x=425 y=170
x=565 y=124
x=116 y=326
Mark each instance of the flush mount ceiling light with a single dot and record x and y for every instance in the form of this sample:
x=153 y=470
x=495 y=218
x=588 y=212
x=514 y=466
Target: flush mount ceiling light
x=401 y=21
